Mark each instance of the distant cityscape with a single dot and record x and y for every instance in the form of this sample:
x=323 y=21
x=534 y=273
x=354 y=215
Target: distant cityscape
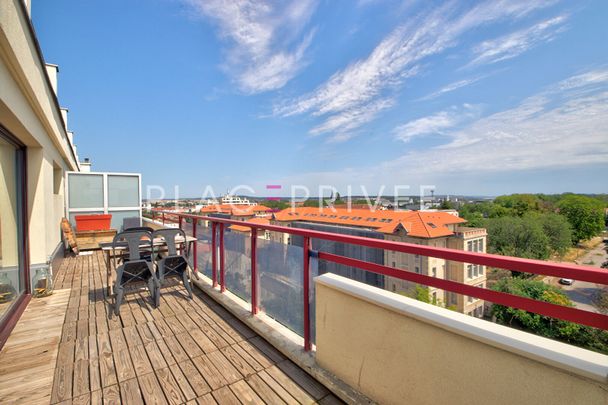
x=523 y=225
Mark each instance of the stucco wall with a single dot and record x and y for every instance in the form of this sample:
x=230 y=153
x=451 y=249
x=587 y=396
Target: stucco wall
x=399 y=351
x=29 y=111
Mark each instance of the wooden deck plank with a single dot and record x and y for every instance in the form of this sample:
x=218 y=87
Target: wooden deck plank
x=130 y=393
x=191 y=348
x=237 y=361
x=198 y=383
x=169 y=386
x=279 y=389
x=141 y=363
x=124 y=365
x=312 y=386
x=225 y=396
x=230 y=373
x=245 y=394
x=211 y=374
x=178 y=352
x=62 y=383
x=289 y=385
x=111 y=395
x=183 y=382
x=264 y=390
x=81 y=377
x=151 y=390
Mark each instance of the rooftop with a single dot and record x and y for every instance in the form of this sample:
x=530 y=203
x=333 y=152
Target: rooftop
x=420 y=224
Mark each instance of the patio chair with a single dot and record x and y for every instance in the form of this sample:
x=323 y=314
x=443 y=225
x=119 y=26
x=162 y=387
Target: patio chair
x=174 y=263
x=137 y=267
x=130 y=223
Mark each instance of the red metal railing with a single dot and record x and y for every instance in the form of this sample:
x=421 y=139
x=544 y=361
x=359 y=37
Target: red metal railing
x=584 y=273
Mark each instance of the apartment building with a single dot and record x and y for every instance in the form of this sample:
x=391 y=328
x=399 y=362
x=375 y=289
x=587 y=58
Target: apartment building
x=471 y=240
x=429 y=228
x=36 y=149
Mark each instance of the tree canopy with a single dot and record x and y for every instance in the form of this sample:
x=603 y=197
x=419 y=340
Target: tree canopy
x=585 y=214
x=569 y=332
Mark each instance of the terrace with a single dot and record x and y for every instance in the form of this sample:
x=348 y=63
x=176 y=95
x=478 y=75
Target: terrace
x=334 y=339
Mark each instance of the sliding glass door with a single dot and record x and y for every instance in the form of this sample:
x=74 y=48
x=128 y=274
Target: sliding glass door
x=12 y=267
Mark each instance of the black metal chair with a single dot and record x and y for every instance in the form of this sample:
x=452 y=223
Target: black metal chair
x=174 y=263
x=131 y=223
x=137 y=267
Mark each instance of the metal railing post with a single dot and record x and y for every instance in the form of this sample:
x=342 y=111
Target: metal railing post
x=163 y=217
x=254 y=273
x=180 y=221
x=306 y=293
x=222 y=264
x=214 y=253
x=195 y=244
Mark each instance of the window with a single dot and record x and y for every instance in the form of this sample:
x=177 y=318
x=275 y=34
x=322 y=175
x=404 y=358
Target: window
x=470 y=271
x=434 y=271
x=481 y=270
x=417 y=270
x=470 y=299
x=394 y=264
x=13 y=278
x=475 y=270
x=470 y=246
x=481 y=245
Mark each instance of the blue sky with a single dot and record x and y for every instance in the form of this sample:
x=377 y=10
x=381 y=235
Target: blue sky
x=478 y=98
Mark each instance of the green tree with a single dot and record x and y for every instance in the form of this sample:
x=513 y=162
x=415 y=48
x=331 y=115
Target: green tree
x=514 y=236
x=558 y=230
x=585 y=214
x=519 y=203
x=569 y=332
x=446 y=205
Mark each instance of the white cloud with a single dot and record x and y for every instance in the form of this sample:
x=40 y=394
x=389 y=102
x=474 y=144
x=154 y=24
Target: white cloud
x=452 y=87
x=431 y=124
x=266 y=40
x=516 y=43
x=355 y=89
x=564 y=126
x=559 y=127
x=436 y=123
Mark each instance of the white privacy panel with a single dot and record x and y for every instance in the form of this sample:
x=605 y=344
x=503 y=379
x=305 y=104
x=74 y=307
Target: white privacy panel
x=118 y=194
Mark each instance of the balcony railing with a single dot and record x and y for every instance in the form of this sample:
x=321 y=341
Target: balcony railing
x=218 y=264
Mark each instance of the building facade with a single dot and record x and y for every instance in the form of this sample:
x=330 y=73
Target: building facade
x=36 y=149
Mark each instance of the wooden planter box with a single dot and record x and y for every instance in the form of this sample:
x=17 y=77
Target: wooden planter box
x=91 y=239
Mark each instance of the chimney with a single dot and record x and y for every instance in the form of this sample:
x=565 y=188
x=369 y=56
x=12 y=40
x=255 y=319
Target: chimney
x=85 y=166
x=52 y=71
x=64 y=115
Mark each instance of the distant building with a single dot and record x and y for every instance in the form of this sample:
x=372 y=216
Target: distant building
x=227 y=199
x=237 y=212
x=429 y=228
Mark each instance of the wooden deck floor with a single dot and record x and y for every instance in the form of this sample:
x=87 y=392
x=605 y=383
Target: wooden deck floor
x=186 y=351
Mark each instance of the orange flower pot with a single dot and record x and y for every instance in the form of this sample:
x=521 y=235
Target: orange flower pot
x=93 y=222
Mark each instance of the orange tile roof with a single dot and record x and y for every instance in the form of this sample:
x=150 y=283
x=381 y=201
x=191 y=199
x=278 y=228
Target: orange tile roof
x=235 y=210
x=420 y=224
x=244 y=228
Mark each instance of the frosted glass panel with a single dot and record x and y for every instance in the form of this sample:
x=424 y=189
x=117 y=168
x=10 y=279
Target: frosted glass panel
x=118 y=216
x=123 y=191
x=86 y=190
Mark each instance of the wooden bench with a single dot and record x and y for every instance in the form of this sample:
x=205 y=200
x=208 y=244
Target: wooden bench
x=91 y=239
